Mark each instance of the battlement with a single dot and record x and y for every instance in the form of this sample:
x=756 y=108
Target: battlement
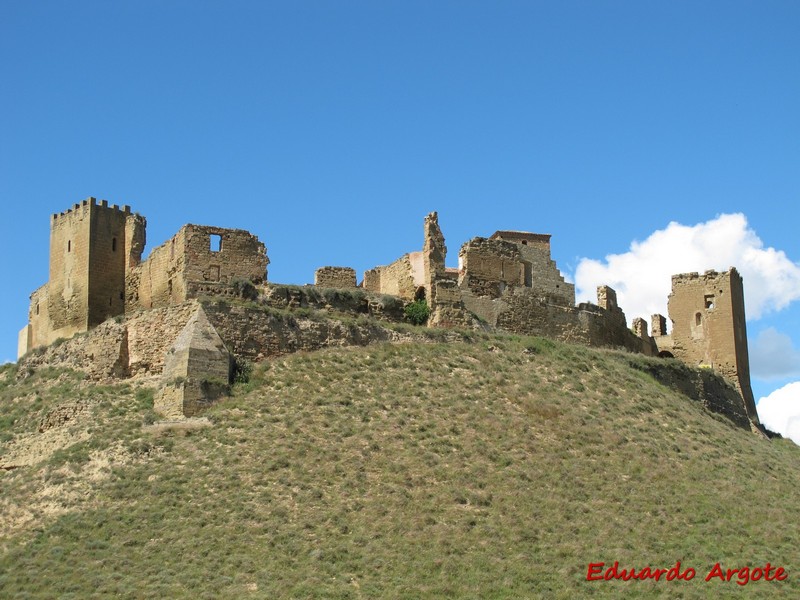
x=90 y=202
x=711 y=274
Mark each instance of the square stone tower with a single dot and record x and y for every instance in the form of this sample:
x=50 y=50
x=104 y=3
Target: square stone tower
x=708 y=326
x=92 y=246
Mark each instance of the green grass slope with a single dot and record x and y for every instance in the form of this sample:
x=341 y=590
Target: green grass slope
x=494 y=469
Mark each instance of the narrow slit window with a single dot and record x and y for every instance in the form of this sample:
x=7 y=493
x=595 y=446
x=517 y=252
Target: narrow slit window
x=698 y=319
x=69 y=245
x=216 y=242
x=113 y=244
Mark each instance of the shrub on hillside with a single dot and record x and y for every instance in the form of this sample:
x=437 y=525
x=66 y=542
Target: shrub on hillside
x=417 y=312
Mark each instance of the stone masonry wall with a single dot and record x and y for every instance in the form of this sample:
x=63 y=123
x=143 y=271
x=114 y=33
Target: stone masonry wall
x=190 y=264
x=538 y=270
x=215 y=254
x=709 y=329
x=159 y=280
x=335 y=277
x=38 y=319
x=400 y=278
x=68 y=281
x=108 y=258
x=489 y=266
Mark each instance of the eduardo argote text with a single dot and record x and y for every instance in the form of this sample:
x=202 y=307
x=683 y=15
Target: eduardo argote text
x=742 y=576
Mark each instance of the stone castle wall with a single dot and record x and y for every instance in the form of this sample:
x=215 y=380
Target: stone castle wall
x=197 y=260
x=709 y=329
x=401 y=278
x=508 y=281
x=335 y=277
x=91 y=246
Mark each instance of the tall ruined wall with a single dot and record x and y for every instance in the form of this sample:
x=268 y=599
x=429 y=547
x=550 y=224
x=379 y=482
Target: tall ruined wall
x=488 y=267
x=196 y=261
x=538 y=270
x=39 y=327
x=434 y=253
x=401 y=278
x=709 y=329
x=159 y=280
x=216 y=254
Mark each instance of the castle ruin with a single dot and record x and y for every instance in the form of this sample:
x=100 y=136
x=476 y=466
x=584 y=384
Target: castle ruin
x=507 y=281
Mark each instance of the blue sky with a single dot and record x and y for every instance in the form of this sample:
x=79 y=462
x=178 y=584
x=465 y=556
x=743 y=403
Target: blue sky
x=330 y=129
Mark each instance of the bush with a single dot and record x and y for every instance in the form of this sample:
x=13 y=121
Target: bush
x=242 y=370
x=417 y=312
x=244 y=288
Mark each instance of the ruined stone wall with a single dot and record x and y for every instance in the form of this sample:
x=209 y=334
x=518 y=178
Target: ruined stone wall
x=355 y=302
x=715 y=392
x=708 y=316
x=434 y=253
x=256 y=333
x=488 y=267
x=335 y=277
x=401 y=278
x=159 y=280
x=545 y=278
x=372 y=280
x=538 y=270
x=152 y=332
x=39 y=327
x=215 y=254
x=190 y=265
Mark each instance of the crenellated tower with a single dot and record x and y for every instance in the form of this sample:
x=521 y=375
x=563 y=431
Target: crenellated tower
x=92 y=246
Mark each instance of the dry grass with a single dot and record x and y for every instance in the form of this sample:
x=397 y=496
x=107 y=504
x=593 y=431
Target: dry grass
x=494 y=469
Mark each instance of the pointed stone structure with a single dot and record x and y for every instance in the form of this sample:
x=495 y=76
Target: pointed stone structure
x=196 y=370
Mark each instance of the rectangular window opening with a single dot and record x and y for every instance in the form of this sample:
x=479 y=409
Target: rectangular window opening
x=215 y=242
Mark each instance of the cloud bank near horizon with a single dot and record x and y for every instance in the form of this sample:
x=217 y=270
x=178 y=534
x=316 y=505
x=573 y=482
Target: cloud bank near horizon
x=780 y=411
x=642 y=276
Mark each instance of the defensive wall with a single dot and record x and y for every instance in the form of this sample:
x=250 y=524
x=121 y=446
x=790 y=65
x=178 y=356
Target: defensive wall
x=507 y=281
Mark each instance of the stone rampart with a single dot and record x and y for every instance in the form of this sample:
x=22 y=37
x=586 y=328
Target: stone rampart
x=335 y=277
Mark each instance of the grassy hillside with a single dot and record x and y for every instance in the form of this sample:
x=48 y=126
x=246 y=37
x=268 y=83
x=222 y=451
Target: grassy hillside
x=494 y=469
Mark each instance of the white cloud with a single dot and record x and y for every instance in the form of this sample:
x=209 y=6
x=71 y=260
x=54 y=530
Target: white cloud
x=642 y=276
x=773 y=356
x=780 y=411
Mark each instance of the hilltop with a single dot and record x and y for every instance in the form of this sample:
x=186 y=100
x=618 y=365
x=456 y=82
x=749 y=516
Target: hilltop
x=499 y=466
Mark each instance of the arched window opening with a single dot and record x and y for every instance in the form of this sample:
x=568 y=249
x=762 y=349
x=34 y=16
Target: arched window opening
x=420 y=293
x=698 y=319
